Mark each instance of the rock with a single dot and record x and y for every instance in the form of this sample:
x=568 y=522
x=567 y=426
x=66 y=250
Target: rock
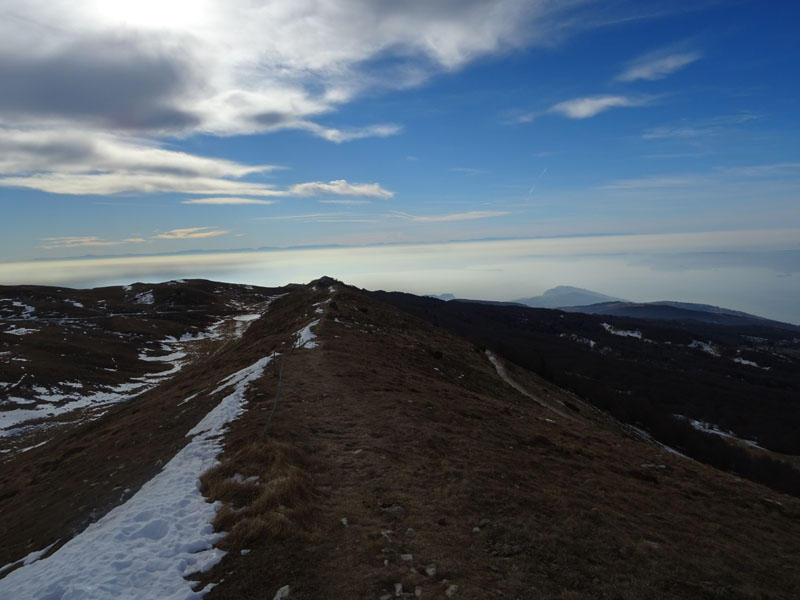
x=476 y=530
x=345 y=522
x=430 y=570
x=410 y=532
x=451 y=590
x=282 y=593
x=418 y=591
x=407 y=557
x=398 y=589
x=650 y=545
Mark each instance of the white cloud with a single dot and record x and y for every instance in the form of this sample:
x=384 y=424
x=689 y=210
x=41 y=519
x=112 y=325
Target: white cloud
x=116 y=183
x=238 y=67
x=339 y=187
x=97 y=85
x=152 y=183
x=226 y=200
x=191 y=233
x=76 y=151
x=589 y=106
x=657 y=65
x=338 y=135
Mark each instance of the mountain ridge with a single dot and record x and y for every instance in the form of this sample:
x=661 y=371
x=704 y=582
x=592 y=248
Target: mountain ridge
x=399 y=459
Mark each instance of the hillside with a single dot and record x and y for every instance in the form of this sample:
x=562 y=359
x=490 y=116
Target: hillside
x=679 y=311
x=355 y=451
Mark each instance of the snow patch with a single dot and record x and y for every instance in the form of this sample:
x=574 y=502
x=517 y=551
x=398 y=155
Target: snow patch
x=145 y=297
x=305 y=337
x=749 y=363
x=20 y=330
x=706 y=347
x=147 y=546
x=634 y=333
x=165 y=358
x=713 y=429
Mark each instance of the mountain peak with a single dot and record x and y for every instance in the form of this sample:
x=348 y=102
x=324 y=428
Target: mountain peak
x=567 y=295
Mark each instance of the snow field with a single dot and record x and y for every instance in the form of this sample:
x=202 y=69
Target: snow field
x=145 y=547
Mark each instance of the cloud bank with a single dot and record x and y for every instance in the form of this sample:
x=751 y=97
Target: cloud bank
x=98 y=86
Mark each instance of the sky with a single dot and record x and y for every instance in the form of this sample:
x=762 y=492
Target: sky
x=647 y=150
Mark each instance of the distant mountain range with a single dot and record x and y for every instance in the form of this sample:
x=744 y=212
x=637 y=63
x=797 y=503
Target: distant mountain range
x=573 y=299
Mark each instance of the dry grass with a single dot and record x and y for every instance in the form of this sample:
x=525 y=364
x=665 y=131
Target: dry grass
x=265 y=494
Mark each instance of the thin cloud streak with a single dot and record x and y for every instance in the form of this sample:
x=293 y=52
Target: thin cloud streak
x=150 y=183
x=81 y=241
x=191 y=233
x=226 y=201
x=465 y=216
x=657 y=65
x=385 y=217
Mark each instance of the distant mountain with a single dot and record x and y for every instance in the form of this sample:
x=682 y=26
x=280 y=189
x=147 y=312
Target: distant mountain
x=666 y=310
x=565 y=295
x=444 y=297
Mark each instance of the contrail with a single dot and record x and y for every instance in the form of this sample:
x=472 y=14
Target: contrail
x=535 y=183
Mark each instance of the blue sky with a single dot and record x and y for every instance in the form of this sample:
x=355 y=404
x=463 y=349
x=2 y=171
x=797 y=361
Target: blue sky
x=155 y=127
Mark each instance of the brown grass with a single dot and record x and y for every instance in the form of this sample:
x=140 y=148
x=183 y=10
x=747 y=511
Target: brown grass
x=276 y=505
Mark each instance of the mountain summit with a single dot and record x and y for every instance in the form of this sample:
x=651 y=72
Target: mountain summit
x=312 y=441
x=565 y=295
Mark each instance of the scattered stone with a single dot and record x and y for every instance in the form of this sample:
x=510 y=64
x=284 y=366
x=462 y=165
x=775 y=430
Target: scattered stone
x=650 y=545
x=386 y=597
x=394 y=509
x=345 y=522
x=282 y=593
x=476 y=530
x=410 y=532
x=451 y=590
x=398 y=589
x=418 y=591
x=430 y=570
x=244 y=551
x=407 y=557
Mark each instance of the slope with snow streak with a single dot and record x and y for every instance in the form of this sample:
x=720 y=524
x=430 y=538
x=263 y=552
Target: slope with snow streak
x=145 y=547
